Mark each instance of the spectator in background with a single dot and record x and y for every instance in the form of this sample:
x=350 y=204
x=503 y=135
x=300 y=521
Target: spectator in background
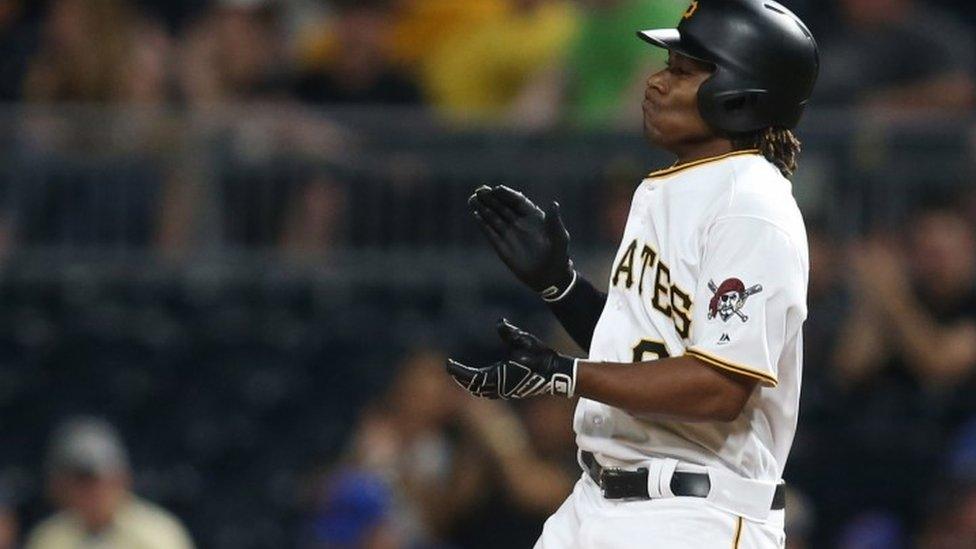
x=358 y=66
x=498 y=71
x=99 y=52
x=405 y=440
x=422 y=27
x=315 y=220
x=905 y=362
x=233 y=53
x=355 y=512
x=897 y=54
x=90 y=481
x=95 y=54
x=446 y=464
x=235 y=63
x=524 y=471
x=873 y=530
x=919 y=308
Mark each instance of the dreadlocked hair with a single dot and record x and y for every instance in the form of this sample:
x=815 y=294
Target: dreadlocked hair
x=779 y=145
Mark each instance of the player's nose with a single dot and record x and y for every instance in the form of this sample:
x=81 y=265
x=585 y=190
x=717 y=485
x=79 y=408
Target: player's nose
x=656 y=82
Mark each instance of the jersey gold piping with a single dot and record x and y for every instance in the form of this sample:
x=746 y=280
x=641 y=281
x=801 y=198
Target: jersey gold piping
x=732 y=367
x=738 y=533
x=681 y=167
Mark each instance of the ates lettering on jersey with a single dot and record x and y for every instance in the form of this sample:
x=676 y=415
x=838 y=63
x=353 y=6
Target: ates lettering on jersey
x=666 y=297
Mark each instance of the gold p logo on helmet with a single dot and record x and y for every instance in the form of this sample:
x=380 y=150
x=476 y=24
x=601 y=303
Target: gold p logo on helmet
x=691 y=10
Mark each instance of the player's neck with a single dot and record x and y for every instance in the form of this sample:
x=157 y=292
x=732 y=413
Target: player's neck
x=702 y=150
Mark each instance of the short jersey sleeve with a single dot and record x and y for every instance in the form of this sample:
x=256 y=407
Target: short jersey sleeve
x=750 y=298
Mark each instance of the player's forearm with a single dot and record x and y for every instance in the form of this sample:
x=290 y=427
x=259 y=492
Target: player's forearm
x=681 y=388
x=579 y=311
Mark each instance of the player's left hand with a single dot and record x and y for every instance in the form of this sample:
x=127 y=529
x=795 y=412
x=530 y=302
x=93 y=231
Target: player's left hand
x=533 y=243
x=531 y=369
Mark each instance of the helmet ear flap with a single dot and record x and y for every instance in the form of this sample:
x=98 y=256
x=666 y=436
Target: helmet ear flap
x=730 y=108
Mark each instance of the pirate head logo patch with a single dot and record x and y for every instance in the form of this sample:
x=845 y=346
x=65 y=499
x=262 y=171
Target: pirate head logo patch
x=728 y=298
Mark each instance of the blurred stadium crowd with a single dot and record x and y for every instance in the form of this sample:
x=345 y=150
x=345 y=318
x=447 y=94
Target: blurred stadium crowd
x=235 y=254
x=527 y=63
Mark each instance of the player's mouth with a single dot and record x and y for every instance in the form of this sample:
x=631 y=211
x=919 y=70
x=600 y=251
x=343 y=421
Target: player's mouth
x=652 y=112
x=649 y=103
x=651 y=107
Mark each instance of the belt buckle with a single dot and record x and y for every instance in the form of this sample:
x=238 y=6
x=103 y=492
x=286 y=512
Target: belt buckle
x=607 y=473
x=617 y=472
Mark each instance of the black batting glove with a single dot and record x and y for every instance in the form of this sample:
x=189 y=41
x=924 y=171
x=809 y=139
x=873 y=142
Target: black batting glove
x=534 y=244
x=531 y=369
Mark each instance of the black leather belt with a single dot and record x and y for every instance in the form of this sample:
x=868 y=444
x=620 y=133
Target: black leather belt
x=621 y=484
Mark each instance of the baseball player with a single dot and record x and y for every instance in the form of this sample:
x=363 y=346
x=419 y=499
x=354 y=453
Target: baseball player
x=688 y=398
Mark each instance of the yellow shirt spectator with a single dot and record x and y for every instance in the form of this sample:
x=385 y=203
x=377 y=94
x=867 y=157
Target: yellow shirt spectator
x=423 y=26
x=419 y=28
x=481 y=71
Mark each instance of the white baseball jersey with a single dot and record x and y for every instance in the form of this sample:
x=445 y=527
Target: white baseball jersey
x=713 y=264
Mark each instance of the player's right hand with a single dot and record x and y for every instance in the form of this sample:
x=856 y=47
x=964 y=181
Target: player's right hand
x=531 y=369
x=533 y=243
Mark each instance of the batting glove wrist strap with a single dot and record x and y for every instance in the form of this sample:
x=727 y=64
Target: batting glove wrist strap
x=556 y=293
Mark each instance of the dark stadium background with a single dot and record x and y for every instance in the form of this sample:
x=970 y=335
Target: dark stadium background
x=237 y=232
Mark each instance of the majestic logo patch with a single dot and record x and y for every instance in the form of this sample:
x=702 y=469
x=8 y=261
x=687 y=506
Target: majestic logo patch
x=728 y=298
x=691 y=9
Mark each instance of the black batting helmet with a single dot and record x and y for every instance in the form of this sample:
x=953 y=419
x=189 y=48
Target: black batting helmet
x=766 y=62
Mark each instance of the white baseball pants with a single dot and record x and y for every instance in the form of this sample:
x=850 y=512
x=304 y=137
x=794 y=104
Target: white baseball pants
x=588 y=521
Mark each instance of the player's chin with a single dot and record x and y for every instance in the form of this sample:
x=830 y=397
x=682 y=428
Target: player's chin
x=652 y=133
x=652 y=129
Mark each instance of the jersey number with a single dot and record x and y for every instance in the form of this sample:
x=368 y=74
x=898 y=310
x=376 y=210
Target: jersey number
x=649 y=349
